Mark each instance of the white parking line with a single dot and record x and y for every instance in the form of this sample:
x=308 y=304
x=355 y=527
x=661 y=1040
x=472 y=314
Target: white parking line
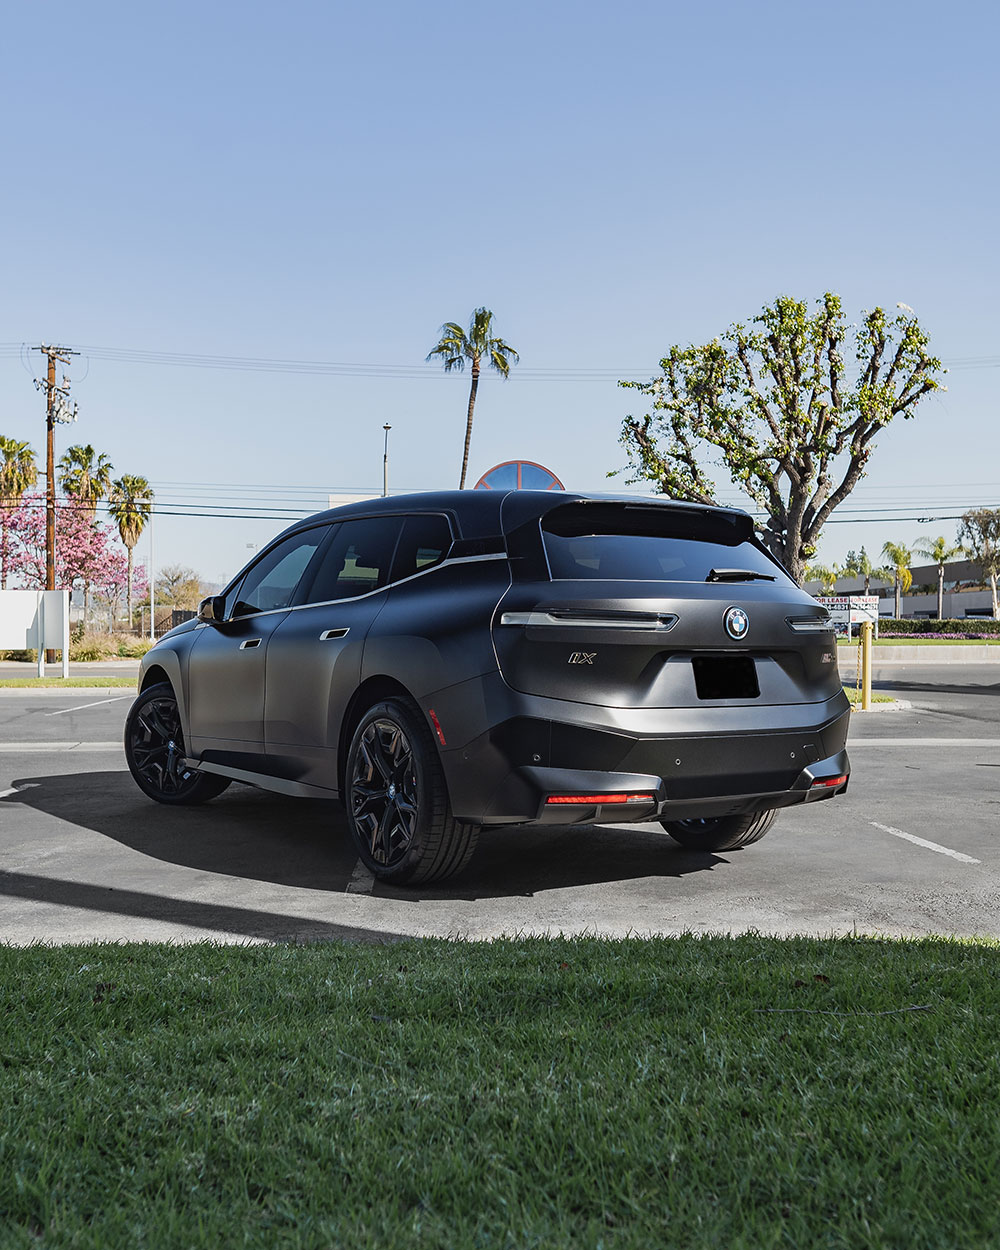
x=930 y=846
x=14 y=747
x=27 y=785
x=361 y=882
x=922 y=742
x=82 y=706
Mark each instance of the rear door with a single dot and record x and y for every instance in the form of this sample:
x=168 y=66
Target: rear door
x=314 y=654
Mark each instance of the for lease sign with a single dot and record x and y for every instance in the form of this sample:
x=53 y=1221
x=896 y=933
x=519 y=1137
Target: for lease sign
x=848 y=610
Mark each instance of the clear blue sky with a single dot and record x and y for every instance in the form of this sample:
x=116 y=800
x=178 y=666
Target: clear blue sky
x=330 y=182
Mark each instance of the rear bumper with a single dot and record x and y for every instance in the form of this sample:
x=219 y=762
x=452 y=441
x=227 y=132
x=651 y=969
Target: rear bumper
x=737 y=763
x=529 y=789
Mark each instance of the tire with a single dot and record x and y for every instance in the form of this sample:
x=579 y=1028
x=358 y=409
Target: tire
x=154 y=749
x=720 y=833
x=397 y=800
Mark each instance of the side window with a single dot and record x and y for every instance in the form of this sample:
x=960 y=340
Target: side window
x=357 y=560
x=424 y=542
x=271 y=582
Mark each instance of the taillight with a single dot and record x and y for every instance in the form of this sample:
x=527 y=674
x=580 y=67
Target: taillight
x=829 y=783
x=590 y=799
x=810 y=624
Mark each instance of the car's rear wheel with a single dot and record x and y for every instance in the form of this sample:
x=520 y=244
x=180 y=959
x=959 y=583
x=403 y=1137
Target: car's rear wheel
x=397 y=800
x=720 y=833
x=154 y=749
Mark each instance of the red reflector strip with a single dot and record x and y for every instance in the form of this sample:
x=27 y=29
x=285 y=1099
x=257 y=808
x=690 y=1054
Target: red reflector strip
x=829 y=782
x=600 y=798
x=437 y=726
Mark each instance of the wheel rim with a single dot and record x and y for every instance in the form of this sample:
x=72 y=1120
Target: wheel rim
x=384 y=791
x=700 y=824
x=157 y=746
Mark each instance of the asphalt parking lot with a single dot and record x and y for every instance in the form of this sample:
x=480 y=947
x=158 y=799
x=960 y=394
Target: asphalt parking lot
x=913 y=848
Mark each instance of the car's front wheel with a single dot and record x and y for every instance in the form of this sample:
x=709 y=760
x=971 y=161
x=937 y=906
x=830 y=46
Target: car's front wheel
x=397 y=800
x=154 y=750
x=720 y=833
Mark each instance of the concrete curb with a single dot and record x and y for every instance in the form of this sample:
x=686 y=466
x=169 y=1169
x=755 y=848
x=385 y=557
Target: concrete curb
x=985 y=653
x=897 y=705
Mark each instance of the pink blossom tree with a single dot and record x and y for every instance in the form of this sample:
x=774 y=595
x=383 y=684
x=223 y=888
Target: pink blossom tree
x=86 y=553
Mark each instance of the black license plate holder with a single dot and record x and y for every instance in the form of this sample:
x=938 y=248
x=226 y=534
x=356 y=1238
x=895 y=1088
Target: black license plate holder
x=725 y=677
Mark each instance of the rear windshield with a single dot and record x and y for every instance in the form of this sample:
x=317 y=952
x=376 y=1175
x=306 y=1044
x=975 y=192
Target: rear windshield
x=648 y=544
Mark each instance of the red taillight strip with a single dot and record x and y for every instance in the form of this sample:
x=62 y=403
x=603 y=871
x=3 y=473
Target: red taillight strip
x=437 y=726
x=601 y=798
x=830 y=781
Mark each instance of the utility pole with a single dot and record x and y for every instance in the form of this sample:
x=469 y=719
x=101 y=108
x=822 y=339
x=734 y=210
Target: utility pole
x=385 y=462
x=57 y=408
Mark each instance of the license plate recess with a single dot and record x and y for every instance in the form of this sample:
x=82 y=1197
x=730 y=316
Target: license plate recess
x=725 y=677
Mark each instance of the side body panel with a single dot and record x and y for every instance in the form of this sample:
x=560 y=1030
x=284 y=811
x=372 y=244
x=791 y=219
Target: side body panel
x=434 y=631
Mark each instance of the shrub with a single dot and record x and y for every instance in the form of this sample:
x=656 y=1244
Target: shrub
x=132 y=648
x=971 y=627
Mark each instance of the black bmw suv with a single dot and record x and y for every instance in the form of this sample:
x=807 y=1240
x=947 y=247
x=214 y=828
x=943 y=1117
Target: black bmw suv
x=448 y=662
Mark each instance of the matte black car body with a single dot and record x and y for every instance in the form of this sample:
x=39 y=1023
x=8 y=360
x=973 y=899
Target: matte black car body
x=539 y=674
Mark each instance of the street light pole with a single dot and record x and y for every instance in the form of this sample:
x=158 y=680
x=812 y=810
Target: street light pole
x=152 y=578
x=385 y=462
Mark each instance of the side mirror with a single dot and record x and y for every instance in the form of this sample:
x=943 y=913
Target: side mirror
x=212 y=609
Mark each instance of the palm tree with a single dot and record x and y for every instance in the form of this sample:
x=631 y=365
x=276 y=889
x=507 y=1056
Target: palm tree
x=456 y=346
x=859 y=564
x=939 y=552
x=85 y=476
x=826 y=575
x=17 y=473
x=131 y=499
x=899 y=558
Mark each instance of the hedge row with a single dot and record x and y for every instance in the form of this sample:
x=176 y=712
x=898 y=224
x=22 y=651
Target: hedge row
x=971 y=627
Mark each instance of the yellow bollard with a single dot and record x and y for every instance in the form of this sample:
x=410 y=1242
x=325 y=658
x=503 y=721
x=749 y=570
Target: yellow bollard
x=866 y=665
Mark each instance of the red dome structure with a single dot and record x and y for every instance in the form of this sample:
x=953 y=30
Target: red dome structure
x=519 y=475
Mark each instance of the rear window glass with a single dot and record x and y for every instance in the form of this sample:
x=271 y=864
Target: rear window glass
x=647 y=544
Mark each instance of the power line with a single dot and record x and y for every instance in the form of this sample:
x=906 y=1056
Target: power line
x=402 y=372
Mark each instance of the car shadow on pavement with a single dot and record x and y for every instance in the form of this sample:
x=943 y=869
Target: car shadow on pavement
x=304 y=843
x=902 y=685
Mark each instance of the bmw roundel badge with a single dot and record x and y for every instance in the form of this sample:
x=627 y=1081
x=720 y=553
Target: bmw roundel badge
x=737 y=623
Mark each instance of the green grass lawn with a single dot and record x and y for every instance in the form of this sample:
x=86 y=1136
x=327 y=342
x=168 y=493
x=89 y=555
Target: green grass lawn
x=67 y=683
x=855 y=697
x=737 y=1093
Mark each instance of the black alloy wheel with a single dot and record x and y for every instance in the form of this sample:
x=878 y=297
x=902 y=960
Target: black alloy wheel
x=154 y=749
x=397 y=799
x=720 y=833
x=384 y=791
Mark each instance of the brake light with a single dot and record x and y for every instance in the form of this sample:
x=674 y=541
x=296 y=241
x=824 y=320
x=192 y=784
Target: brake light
x=600 y=798
x=828 y=783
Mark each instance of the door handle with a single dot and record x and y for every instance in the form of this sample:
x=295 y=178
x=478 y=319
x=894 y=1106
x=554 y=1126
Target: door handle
x=327 y=634
x=250 y=642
